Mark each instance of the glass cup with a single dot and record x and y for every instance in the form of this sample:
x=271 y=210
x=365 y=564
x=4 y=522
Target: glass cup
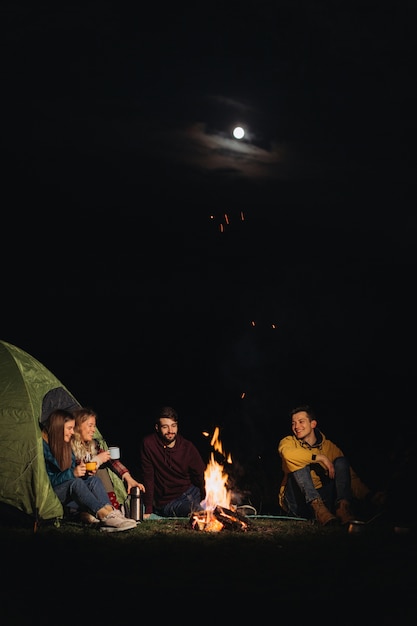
x=91 y=467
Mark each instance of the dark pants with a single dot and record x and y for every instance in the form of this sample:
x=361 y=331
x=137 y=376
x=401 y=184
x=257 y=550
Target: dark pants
x=187 y=503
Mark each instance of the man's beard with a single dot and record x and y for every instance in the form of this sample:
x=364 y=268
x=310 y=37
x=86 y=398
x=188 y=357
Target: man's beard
x=167 y=440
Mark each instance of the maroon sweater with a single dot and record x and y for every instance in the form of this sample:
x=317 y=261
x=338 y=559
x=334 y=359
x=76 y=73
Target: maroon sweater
x=168 y=472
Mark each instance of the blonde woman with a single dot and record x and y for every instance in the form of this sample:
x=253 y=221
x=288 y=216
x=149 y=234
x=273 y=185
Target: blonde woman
x=86 y=444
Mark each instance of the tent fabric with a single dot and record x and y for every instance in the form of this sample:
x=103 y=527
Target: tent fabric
x=57 y=398
x=24 y=483
x=28 y=393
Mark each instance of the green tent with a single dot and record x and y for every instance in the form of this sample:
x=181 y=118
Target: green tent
x=28 y=393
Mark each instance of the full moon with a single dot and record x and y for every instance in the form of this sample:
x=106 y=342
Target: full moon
x=238 y=132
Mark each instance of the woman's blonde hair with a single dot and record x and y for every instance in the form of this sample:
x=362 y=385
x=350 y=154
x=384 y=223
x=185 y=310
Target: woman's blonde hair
x=80 y=447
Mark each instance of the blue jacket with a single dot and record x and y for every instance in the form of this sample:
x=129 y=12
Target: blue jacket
x=56 y=475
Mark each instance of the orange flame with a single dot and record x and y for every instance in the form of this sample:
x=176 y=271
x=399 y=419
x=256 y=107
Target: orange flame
x=218 y=496
x=216 y=478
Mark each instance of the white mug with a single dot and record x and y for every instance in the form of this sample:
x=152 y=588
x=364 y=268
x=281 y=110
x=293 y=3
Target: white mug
x=114 y=453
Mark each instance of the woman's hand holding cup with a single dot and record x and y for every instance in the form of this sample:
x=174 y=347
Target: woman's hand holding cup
x=80 y=470
x=103 y=456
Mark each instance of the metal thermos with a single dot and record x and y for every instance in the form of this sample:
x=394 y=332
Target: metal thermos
x=135 y=504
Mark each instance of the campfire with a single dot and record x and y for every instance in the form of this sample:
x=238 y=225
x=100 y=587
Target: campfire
x=218 y=511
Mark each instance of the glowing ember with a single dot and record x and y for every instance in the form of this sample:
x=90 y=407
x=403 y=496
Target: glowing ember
x=201 y=522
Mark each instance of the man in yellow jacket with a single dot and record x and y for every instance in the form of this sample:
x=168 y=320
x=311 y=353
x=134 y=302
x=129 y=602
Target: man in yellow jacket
x=318 y=478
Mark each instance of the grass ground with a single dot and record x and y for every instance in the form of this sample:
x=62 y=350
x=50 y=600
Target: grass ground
x=291 y=570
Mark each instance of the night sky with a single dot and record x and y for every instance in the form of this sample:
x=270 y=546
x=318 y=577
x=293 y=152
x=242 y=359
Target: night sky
x=150 y=258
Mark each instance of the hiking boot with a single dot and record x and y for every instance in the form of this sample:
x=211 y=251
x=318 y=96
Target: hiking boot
x=116 y=522
x=322 y=513
x=343 y=512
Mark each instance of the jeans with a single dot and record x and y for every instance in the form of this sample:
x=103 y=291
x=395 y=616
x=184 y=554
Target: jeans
x=187 y=503
x=85 y=494
x=300 y=491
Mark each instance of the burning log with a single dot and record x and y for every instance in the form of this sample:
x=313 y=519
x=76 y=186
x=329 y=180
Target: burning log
x=231 y=520
x=218 y=519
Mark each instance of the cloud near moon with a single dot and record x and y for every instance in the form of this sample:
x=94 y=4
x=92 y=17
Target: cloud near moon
x=219 y=152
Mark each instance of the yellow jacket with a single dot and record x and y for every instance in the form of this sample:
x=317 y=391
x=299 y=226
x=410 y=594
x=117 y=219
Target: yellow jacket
x=296 y=454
